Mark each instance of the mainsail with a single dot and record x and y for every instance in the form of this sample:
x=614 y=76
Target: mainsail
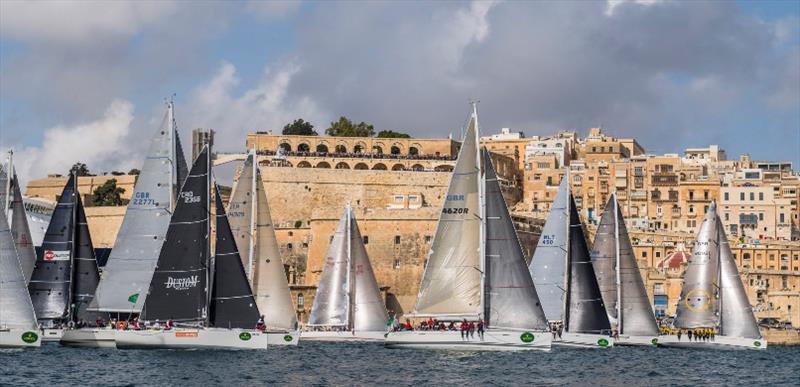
x=178 y=289
x=548 y=266
x=127 y=275
x=736 y=314
x=263 y=257
x=85 y=274
x=332 y=303
x=20 y=230
x=232 y=303
x=511 y=299
x=369 y=310
x=451 y=283
x=697 y=306
x=618 y=276
x=16 y=309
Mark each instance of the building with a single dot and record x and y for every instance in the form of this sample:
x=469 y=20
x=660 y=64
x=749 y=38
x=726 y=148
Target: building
x=201 y=138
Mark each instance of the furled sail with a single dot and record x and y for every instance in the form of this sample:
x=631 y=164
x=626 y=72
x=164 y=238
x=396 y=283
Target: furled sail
x=232 y=301
x=369 y=309
x=736 y=314
x=697 y=306
x=126 y=276
x=86 y=274
x=511 y=299
x=16 y=309
x=548 y=267
x=331 y=304
x=178 y=289
x=585 y=310
x=51 y=283
x=20 y=230
x=451 y=283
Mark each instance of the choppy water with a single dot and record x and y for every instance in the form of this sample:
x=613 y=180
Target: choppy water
x=371 y=364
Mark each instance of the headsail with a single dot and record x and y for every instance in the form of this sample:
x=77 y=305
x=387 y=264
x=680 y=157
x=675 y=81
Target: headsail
x=736 y=314
x=331 y=304
x=511 y=299
x=548 y=266
x=126 y=276
x=232 y=301
x=451 y=283
x=20 y=230
x=369 y=309
x=178 y=289
x=697 y=306
x=16 y=309
x=85 y=274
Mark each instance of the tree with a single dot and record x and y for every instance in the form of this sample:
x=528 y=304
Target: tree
x=134 y=171
x=80 y=169
x=108 y=194
x=299 y=128
x=117 y=173
x=345 y=128
x=391 y=134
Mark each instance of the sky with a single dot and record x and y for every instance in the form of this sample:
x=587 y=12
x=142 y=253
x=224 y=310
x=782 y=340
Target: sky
x=86 y=81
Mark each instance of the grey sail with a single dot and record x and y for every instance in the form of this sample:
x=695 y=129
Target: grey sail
x=736 y=314
x=585 y=310
x=127 y=275
x=511 y=299
x=451 y=282
x=548 y=267
x=4 y=190
x=369 y=309
x=21 y=232
x=86 y=273
x=637 y=316
x=697 y=305
x=16 y=309
x=331 y=304
x=604 y=258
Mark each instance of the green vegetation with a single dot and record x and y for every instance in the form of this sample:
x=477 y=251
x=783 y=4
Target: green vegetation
x=108 y=194
x=392 y=134
x=299 y=128
x=80 y=169
x=134 y=171
x=346 y=128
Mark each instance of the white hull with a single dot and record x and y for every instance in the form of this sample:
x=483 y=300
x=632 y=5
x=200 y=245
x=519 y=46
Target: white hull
x=343 y=336
x=51 y=334
x=719 y=342
x=283 y=338
x=19 y=338
x=89 y=337
x=583 y=340
x=493 y=340
x=639 y=341
x=207 y=338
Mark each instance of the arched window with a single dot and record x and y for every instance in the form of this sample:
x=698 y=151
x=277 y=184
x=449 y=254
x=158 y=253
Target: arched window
x=323 y=165
x=342 y=165
x=285 y=146
x=379 y=167
x=358 y=149
x=322 y=148
x=341 y=149
x=443 y=168
x=361 y=166
x=303 y=147
x=304 y=164
x=417 y=167
x=395 y=150
x=376 y=149
x=398 y=167
x=413 y=151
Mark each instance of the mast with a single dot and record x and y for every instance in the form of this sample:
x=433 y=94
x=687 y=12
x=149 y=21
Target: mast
x=350 y=276
x=73 y=244
x=8 y=180
x=209 y=259
x=481 y=213
x=719 y=280
x=173 y=180
x=617 y=263
x=253 y=204
x=567 y=250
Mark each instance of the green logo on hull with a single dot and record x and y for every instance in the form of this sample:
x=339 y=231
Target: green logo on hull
x=757 y=344
x=287 y=338
x=654 y=341
x=602 y=342
x=30 y=337
x=526 y=337
x=133 y=298
x=244 y=336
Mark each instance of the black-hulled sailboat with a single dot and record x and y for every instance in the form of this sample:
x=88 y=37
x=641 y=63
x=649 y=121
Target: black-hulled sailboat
x=196 y=300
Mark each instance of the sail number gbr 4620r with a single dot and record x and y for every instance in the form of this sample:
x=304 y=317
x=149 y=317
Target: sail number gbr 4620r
x=457 y=210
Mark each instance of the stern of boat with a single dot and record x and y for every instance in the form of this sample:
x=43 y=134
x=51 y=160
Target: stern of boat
x=20 y=338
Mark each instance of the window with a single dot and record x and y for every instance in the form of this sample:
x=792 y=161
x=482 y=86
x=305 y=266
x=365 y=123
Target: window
x=781 y=218
x=761 y=196
x=396 y=263
x=741 y=195
x=727 y=216
x=427 y=239
x=301 y=301
x=397 y=239
x=366 y=239
x=705 y=195
x=752 y=196
x=291 y=233
x=761 y=216
x=727 y=197
x=691 y=195
x=658 y=254
x=288 y=246
x=644 y=254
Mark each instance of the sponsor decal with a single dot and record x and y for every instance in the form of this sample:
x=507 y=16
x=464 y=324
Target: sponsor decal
x=654 y=341
x=186 y=334
x=30 y=337
x=51 y=255
x=526 y=337
x=756 y=343
x=133 y=297
x=287 y=338
x=698 y=300
x=189 y=197
x=182 y=283
x=602 y=342
x=244 y=336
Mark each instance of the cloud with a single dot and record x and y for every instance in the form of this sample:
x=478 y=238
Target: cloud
x=273 y=9
x=611 y=5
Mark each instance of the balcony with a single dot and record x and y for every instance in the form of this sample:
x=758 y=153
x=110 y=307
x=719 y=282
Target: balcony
x=661 y=179
x=638 y=195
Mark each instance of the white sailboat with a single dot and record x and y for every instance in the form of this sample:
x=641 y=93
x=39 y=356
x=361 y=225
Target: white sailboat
x=251 y=223
x=476 y=270
x=12 y=201
x=713 y=297
x=621 y=285
x=348 y=304
x=126 y=277
x=207 y=298
x=18 y=327
x=562 y=272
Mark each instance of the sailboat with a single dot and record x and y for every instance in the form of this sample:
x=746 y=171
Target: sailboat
x=12 y=201
x=476 y=269
x=562 y=272
x=18 y=327
x=66 y=274
x=126 y=277
x=620 y=282
x=208 y=298
x=251 y=223
x=348 y=304
x=713 y=296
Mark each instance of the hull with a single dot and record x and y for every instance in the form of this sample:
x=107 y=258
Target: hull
x=344 y=336
x=52 y=335
x=583 y=340
x=282 y=338
x=493 y=340
x=89 y=338
x=719 y=342
x=639 y=341
x=209 y=338
x=19 y=338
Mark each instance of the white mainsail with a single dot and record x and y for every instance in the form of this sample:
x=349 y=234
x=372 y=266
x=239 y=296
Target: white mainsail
x=736 y=314
x=127 y=275
x=332 y=302
x=451 y=284
x=20 y=230
x=697 y=306
x=368 y=309
x=16 y=309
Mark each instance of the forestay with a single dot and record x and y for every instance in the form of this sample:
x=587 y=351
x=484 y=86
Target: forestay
x=737 y=317
x=16 y=310
x=697 y=306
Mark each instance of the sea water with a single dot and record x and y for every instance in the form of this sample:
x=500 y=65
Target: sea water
x=346 y=364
